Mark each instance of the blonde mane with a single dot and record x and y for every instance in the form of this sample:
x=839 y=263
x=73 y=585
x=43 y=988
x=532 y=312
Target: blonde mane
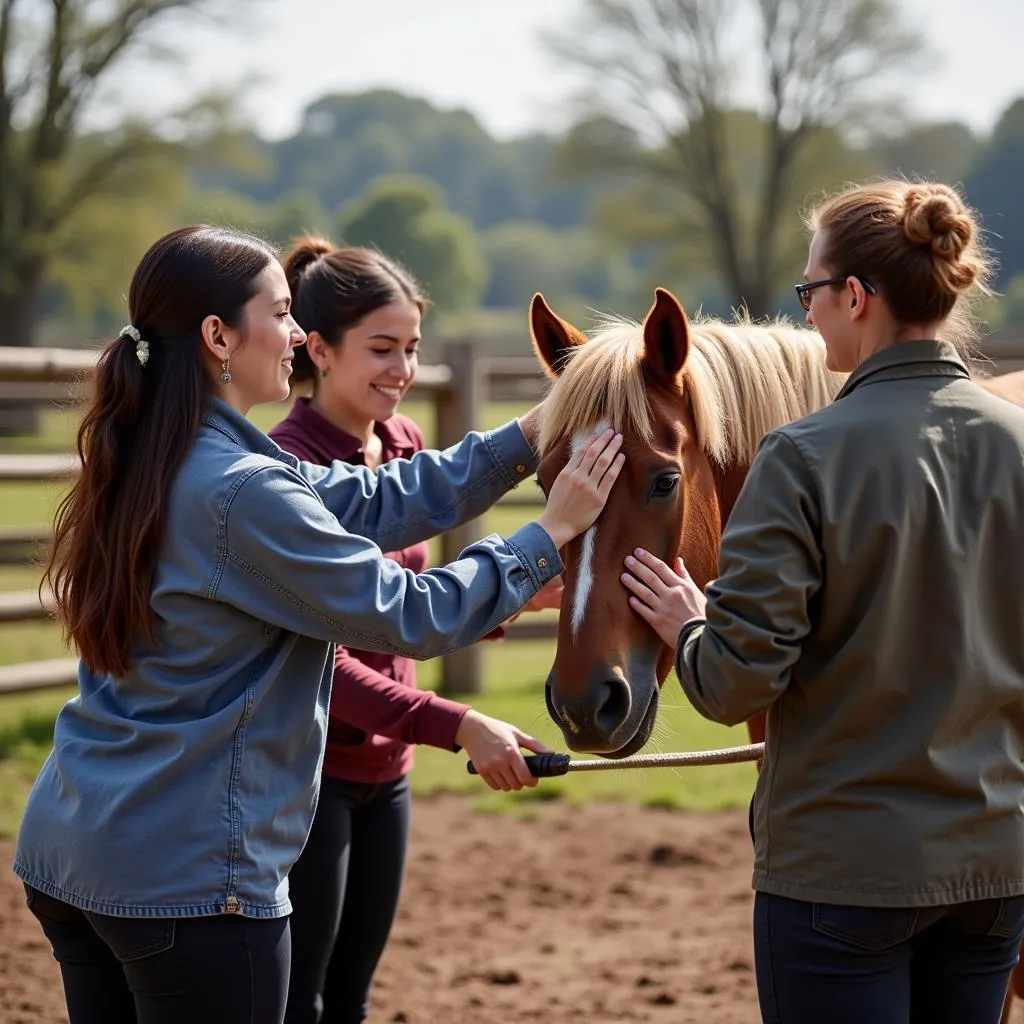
x=743 y=380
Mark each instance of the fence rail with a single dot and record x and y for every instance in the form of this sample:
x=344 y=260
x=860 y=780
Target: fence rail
x=458 y=390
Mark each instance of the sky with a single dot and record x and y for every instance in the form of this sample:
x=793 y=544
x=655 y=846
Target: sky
x=487 y=56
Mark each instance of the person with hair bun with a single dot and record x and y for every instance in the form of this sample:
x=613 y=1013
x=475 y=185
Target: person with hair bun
x=869 y=596
x=205 y=576
x=362 y=314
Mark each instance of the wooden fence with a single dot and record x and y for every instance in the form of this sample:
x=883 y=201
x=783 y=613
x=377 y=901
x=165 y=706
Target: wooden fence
x=458 y=391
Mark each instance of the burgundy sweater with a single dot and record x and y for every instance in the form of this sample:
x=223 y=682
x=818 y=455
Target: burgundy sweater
x=377 y=714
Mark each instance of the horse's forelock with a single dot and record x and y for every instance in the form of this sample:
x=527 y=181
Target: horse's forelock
x=742 y=380
x=602 y=382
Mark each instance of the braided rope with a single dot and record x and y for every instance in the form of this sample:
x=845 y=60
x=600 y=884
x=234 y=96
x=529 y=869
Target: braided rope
x=728 y=755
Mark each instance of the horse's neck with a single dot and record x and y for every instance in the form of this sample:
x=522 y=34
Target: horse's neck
x=728 y=483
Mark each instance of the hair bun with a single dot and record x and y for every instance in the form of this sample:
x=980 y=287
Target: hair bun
x=934 y=215
x=304 y=252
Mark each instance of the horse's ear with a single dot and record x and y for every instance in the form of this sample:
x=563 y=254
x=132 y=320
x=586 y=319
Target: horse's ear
x=553 y=338
x=666 y=339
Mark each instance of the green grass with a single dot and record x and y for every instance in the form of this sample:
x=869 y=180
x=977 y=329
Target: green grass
x=26 y=737
x=514 y=679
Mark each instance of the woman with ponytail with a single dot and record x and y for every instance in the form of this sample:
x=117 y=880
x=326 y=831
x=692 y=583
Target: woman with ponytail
x=871 y=581
x=362 y=313
x=205 y=576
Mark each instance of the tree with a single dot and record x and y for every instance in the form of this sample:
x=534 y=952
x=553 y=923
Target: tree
x=345 y=142
x=939 y=152
x=993 y=186
x=569 y=267
x=405 y=217
x=665 y=69
x=54 y=56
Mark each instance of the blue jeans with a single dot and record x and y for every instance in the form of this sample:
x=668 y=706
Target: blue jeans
x=820 y=962
x=153 y=970
x=344 y=890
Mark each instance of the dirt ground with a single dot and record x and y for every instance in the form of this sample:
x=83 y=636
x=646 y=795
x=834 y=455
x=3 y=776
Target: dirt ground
x=600 y=913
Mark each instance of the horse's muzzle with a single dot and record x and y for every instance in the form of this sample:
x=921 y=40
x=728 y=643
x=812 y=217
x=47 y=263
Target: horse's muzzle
x=603 y=719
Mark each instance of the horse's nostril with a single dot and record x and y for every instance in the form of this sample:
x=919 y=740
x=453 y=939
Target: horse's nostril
x=613 y=708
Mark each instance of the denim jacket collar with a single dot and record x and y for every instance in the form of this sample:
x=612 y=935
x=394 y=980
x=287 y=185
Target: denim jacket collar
x=232 y=424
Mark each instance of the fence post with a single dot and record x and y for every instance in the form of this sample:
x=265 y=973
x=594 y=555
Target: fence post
x=459 y=409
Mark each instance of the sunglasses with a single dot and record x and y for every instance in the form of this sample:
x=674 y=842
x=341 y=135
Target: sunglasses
x=803 y=291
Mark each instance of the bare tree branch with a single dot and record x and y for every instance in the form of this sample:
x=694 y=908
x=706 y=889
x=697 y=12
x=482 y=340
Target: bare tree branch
x=54 y=54
x=664 y=65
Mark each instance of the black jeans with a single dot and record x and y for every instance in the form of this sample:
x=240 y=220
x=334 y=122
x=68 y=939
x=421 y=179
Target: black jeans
x=817 y=962
x=143 y=970
x=344 y=890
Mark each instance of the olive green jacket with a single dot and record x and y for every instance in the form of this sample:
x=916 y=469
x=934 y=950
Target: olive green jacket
x=871 y=600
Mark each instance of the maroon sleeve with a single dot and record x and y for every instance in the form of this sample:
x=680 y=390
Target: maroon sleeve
x=368 y=700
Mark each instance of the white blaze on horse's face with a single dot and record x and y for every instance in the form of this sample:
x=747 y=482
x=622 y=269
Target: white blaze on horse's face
x=585 y=570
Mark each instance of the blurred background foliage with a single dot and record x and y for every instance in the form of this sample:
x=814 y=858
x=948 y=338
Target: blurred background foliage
x=662 y=179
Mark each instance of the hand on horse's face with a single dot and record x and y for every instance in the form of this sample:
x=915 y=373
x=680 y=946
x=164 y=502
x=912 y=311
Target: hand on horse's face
x=664 y=596
x=581 y=489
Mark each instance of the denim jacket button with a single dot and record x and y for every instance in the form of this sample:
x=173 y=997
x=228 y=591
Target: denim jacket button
x=521 y=468
x=542 y=562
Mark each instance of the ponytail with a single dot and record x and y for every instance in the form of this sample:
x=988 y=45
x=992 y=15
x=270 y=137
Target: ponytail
x=151 y=393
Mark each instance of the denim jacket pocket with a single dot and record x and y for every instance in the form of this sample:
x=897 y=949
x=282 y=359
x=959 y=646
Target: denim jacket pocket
x=134 y=938
x=872 y=929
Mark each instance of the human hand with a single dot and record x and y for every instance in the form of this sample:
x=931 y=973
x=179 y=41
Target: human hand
x=581 y=489
x=665 y=597
x=493 y=747
x=549 y=596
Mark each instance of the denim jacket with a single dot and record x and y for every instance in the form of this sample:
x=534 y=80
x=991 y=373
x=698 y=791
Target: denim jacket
x=187 y=787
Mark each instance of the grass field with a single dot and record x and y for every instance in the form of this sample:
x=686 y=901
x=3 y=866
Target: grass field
x=514 y=674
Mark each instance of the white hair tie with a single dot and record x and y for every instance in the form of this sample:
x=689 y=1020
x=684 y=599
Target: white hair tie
x=141 y=347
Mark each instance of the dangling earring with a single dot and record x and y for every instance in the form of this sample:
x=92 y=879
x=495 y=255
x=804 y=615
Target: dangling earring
x=323 y=373
x=225 y=373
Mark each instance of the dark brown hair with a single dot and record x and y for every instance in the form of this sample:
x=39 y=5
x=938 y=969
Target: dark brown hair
x=334 y=287
x=918 y=243
x=135 y=435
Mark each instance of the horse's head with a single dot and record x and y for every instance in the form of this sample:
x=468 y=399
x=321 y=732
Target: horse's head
x=603 y=688
x=691 y=406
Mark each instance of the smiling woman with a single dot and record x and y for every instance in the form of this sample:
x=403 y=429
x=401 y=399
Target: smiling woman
x=363 y=313
x=206 y=575
x=255 y=357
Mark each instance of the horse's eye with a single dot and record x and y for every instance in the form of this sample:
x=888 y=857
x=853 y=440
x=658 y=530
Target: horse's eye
x=665 y=485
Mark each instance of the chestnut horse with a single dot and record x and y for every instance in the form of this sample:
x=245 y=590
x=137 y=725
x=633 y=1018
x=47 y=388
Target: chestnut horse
x=692 y=403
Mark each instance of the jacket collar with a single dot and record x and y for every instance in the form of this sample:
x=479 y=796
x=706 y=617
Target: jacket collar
x=230 y=422
x=907 y=359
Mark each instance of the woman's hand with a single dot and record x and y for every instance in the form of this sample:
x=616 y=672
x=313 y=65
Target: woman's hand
x=549 y=596
x=664 y=596
x=581 y=489
x=493 y=747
